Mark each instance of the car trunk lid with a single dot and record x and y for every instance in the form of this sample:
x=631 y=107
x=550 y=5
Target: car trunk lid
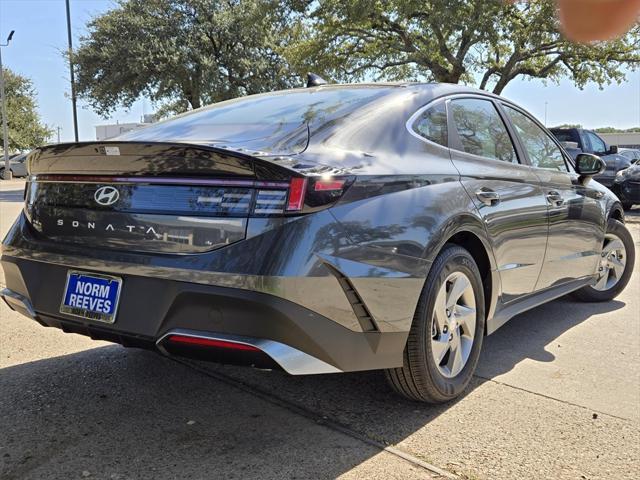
x=146 y=196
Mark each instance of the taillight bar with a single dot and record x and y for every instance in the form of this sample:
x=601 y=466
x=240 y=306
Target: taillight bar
x=304 y=194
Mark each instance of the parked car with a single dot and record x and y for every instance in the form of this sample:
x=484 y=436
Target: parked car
x=632 y=154
x=627 y=186
x=586 y=141
x=329 y=229
x=17 y=164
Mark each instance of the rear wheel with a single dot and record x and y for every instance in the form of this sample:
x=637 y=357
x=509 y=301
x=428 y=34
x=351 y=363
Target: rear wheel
x=444 y=343
x=615 y=267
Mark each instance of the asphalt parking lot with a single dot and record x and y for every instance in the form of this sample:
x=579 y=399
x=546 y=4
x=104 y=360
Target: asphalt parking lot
x=556 y=395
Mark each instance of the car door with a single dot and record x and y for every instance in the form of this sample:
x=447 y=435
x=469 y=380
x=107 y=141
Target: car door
x=507 y=195
x=576 y=217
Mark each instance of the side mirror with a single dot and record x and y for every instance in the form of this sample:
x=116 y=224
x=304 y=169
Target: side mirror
x=588 y=165
x=613 y=149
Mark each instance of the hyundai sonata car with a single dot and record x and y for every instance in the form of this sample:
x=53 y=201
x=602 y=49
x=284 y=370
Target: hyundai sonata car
x=335 y=228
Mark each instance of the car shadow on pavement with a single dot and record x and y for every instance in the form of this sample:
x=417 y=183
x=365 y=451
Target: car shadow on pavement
x=526 y=336
x=118 y=414
x=114 y=413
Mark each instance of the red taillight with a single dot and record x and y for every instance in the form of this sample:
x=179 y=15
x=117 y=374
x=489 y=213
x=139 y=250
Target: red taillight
x=210 y=342
x=297 y=189
x=328 y=185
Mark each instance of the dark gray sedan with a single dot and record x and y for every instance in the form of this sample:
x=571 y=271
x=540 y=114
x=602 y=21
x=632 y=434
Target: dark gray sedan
x=329 y=229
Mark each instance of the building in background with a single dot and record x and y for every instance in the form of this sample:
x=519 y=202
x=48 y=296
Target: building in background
x=625 y=140
x=105 y=132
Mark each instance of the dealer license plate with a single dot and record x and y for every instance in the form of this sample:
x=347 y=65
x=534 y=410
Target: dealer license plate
x=92 y=296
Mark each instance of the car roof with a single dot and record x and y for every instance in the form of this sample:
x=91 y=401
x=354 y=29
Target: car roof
x=415 y=86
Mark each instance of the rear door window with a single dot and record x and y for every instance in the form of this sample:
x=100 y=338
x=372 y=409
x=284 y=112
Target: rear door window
x=481 y=131
x=541 y=149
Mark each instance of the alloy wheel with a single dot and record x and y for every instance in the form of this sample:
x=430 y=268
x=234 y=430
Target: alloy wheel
x=454 y=324
x=613 y=261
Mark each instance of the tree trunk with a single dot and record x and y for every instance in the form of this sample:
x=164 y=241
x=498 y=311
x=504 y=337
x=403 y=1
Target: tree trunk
x=194 y=101
x=504 y=80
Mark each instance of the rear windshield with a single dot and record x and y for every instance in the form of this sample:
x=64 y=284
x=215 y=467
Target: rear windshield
x=272 y=114
x=565 y=136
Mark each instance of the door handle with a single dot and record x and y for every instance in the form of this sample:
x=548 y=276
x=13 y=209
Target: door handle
x=555 y=199
x=488 y=197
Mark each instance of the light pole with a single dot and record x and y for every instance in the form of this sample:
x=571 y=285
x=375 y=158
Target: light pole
x=73 y=81
x=545 y=113
x=5 y=129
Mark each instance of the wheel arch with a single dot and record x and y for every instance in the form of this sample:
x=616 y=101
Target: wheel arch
x=468 y=231
x=616 y=212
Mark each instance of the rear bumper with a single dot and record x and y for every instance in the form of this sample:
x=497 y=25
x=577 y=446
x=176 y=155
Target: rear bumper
x=290 y=336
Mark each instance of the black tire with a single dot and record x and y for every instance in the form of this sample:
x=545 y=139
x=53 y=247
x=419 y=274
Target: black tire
x=589 y=293
x=419 y=378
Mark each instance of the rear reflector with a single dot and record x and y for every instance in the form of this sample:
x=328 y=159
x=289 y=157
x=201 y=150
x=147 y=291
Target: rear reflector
x=210 y=342
x=297 y=189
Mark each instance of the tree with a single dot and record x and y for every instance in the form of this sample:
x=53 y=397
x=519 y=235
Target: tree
x=617 y=130
x=26 y=130
x=182 y=53
x=483 y=42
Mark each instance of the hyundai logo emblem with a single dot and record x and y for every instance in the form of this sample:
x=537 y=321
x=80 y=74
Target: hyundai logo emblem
x=106 y=196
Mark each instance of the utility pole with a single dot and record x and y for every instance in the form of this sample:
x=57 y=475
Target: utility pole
x=71 y=74
x=58 y=134
x=5 y=129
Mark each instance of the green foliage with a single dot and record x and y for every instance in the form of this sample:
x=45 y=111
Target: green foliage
x=182 y=53
x=25 y=128
x=185 y=53
x=484 y=42
x=617 y=130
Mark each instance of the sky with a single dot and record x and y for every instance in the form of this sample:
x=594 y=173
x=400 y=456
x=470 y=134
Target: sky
x=36 y=51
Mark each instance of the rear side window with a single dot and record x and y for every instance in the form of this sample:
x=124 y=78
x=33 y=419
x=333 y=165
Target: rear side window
x=541 y=149
x=432 y=124
x=481 y=130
